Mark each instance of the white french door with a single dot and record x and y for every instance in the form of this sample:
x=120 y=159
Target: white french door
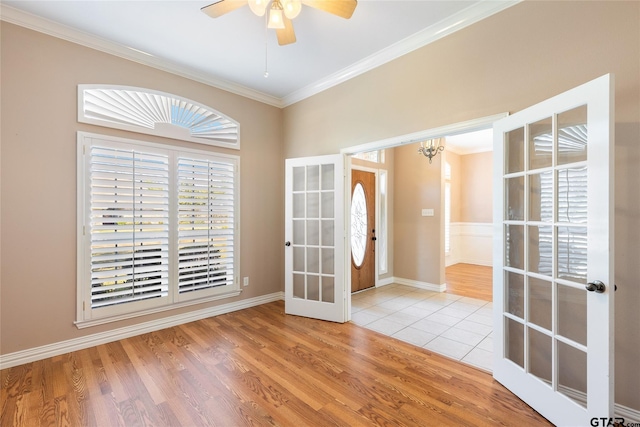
x=315 y=238
x=553 y=244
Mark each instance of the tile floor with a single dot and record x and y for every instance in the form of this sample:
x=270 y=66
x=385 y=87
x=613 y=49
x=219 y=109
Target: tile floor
x=455 y=326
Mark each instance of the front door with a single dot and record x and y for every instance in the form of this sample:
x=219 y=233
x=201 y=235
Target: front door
x=315 y=238
x=363 y=237
x=553 y=254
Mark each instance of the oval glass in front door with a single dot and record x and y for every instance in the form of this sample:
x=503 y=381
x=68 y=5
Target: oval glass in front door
x=358 y=225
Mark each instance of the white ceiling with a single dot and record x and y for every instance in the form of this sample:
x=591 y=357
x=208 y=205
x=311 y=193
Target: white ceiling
x=471 y=142
x=229 y=52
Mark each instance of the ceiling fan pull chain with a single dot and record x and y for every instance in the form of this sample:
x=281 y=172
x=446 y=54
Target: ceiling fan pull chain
x=266 y=48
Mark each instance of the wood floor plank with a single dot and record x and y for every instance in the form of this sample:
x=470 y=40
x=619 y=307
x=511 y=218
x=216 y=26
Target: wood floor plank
x=259 y=367
x=470 y=280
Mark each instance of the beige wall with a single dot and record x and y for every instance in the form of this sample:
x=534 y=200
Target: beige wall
x=418 y=239
x=514 y=59
x=39 y=79
x=476 y=173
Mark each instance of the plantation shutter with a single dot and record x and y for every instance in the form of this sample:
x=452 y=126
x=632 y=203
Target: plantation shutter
x=206 y=222
x=129 y=225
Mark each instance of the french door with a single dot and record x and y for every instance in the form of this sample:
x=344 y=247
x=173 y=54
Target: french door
x=553 y=254
x=315 y=238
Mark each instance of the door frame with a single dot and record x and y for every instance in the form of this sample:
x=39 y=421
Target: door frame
x=473 y=125
x=376 y=225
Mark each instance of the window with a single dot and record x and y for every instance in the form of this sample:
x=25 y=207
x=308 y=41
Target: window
x=157 y=227
x=376 y=156
x=156 y=113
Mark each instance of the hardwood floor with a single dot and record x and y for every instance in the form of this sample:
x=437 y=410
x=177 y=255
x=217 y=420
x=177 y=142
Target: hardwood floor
x=469 y=280
x=257 y=367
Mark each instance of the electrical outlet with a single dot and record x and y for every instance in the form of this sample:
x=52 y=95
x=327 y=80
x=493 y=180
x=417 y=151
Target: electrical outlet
x=245 y=281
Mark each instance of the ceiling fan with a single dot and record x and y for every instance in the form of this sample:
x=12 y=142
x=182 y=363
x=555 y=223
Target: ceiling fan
x=281 y=12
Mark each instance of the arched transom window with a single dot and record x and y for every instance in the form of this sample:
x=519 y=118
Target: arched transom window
x=156 y=113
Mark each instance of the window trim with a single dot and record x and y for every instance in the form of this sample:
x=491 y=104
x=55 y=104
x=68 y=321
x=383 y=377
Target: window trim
x=87 y=318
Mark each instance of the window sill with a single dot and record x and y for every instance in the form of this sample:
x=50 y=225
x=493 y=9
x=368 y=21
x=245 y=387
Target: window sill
x=81 y=324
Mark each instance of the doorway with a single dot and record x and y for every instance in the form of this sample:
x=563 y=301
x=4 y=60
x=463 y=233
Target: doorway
x=454 y=323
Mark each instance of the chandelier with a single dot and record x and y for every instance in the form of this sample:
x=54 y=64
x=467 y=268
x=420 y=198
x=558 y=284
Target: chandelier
x=430 y=149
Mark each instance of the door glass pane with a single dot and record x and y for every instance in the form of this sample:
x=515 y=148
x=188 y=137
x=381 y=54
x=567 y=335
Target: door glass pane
x=540 y=355
x=298 y=259
x=572 y=313
x=572 y=195
x=541 y=249
x=313 y=260
x=327 y=233
x=313 y=288
x=328 y=289
x=540 y=144
x=298 y=286
x=515 y=294
x=298 y=178
x=514 y=150
x=572 y=135
x=572 y=372
x=514 y=250
x=541 y=197
x=328 y=178
x=313 y=205
x=572 y=254
x=327 y=261
x=327 y=205
x=298 y=205
x=515 y=198
x=540 y=302
x=298 y=232
x=313 y=178
x=313 y=232
x=514 y=341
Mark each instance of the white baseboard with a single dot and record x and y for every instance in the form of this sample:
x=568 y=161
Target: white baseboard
x=475 y=261
x=385 y=282
x=621 y=411
x=38 y=353
x=421 y=285
x=629 y=415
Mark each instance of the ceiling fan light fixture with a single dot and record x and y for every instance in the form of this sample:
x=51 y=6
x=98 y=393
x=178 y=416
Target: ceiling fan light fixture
x=259 y=7
x=291 y=8
x=276 y=18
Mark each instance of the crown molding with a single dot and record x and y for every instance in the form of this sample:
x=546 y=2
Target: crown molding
x=45 y=26
x=456 y=22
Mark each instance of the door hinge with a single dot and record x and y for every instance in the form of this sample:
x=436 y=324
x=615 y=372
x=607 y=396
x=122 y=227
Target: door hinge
x=84 y=306
x=84 y=231
x=84 y=149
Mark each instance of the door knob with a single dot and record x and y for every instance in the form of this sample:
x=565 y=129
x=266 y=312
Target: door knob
x=596 y=286
x=287 y=243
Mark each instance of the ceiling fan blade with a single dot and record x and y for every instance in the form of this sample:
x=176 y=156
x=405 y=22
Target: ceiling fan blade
x=221 y=7
x=342 y=8
x=286 y=35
